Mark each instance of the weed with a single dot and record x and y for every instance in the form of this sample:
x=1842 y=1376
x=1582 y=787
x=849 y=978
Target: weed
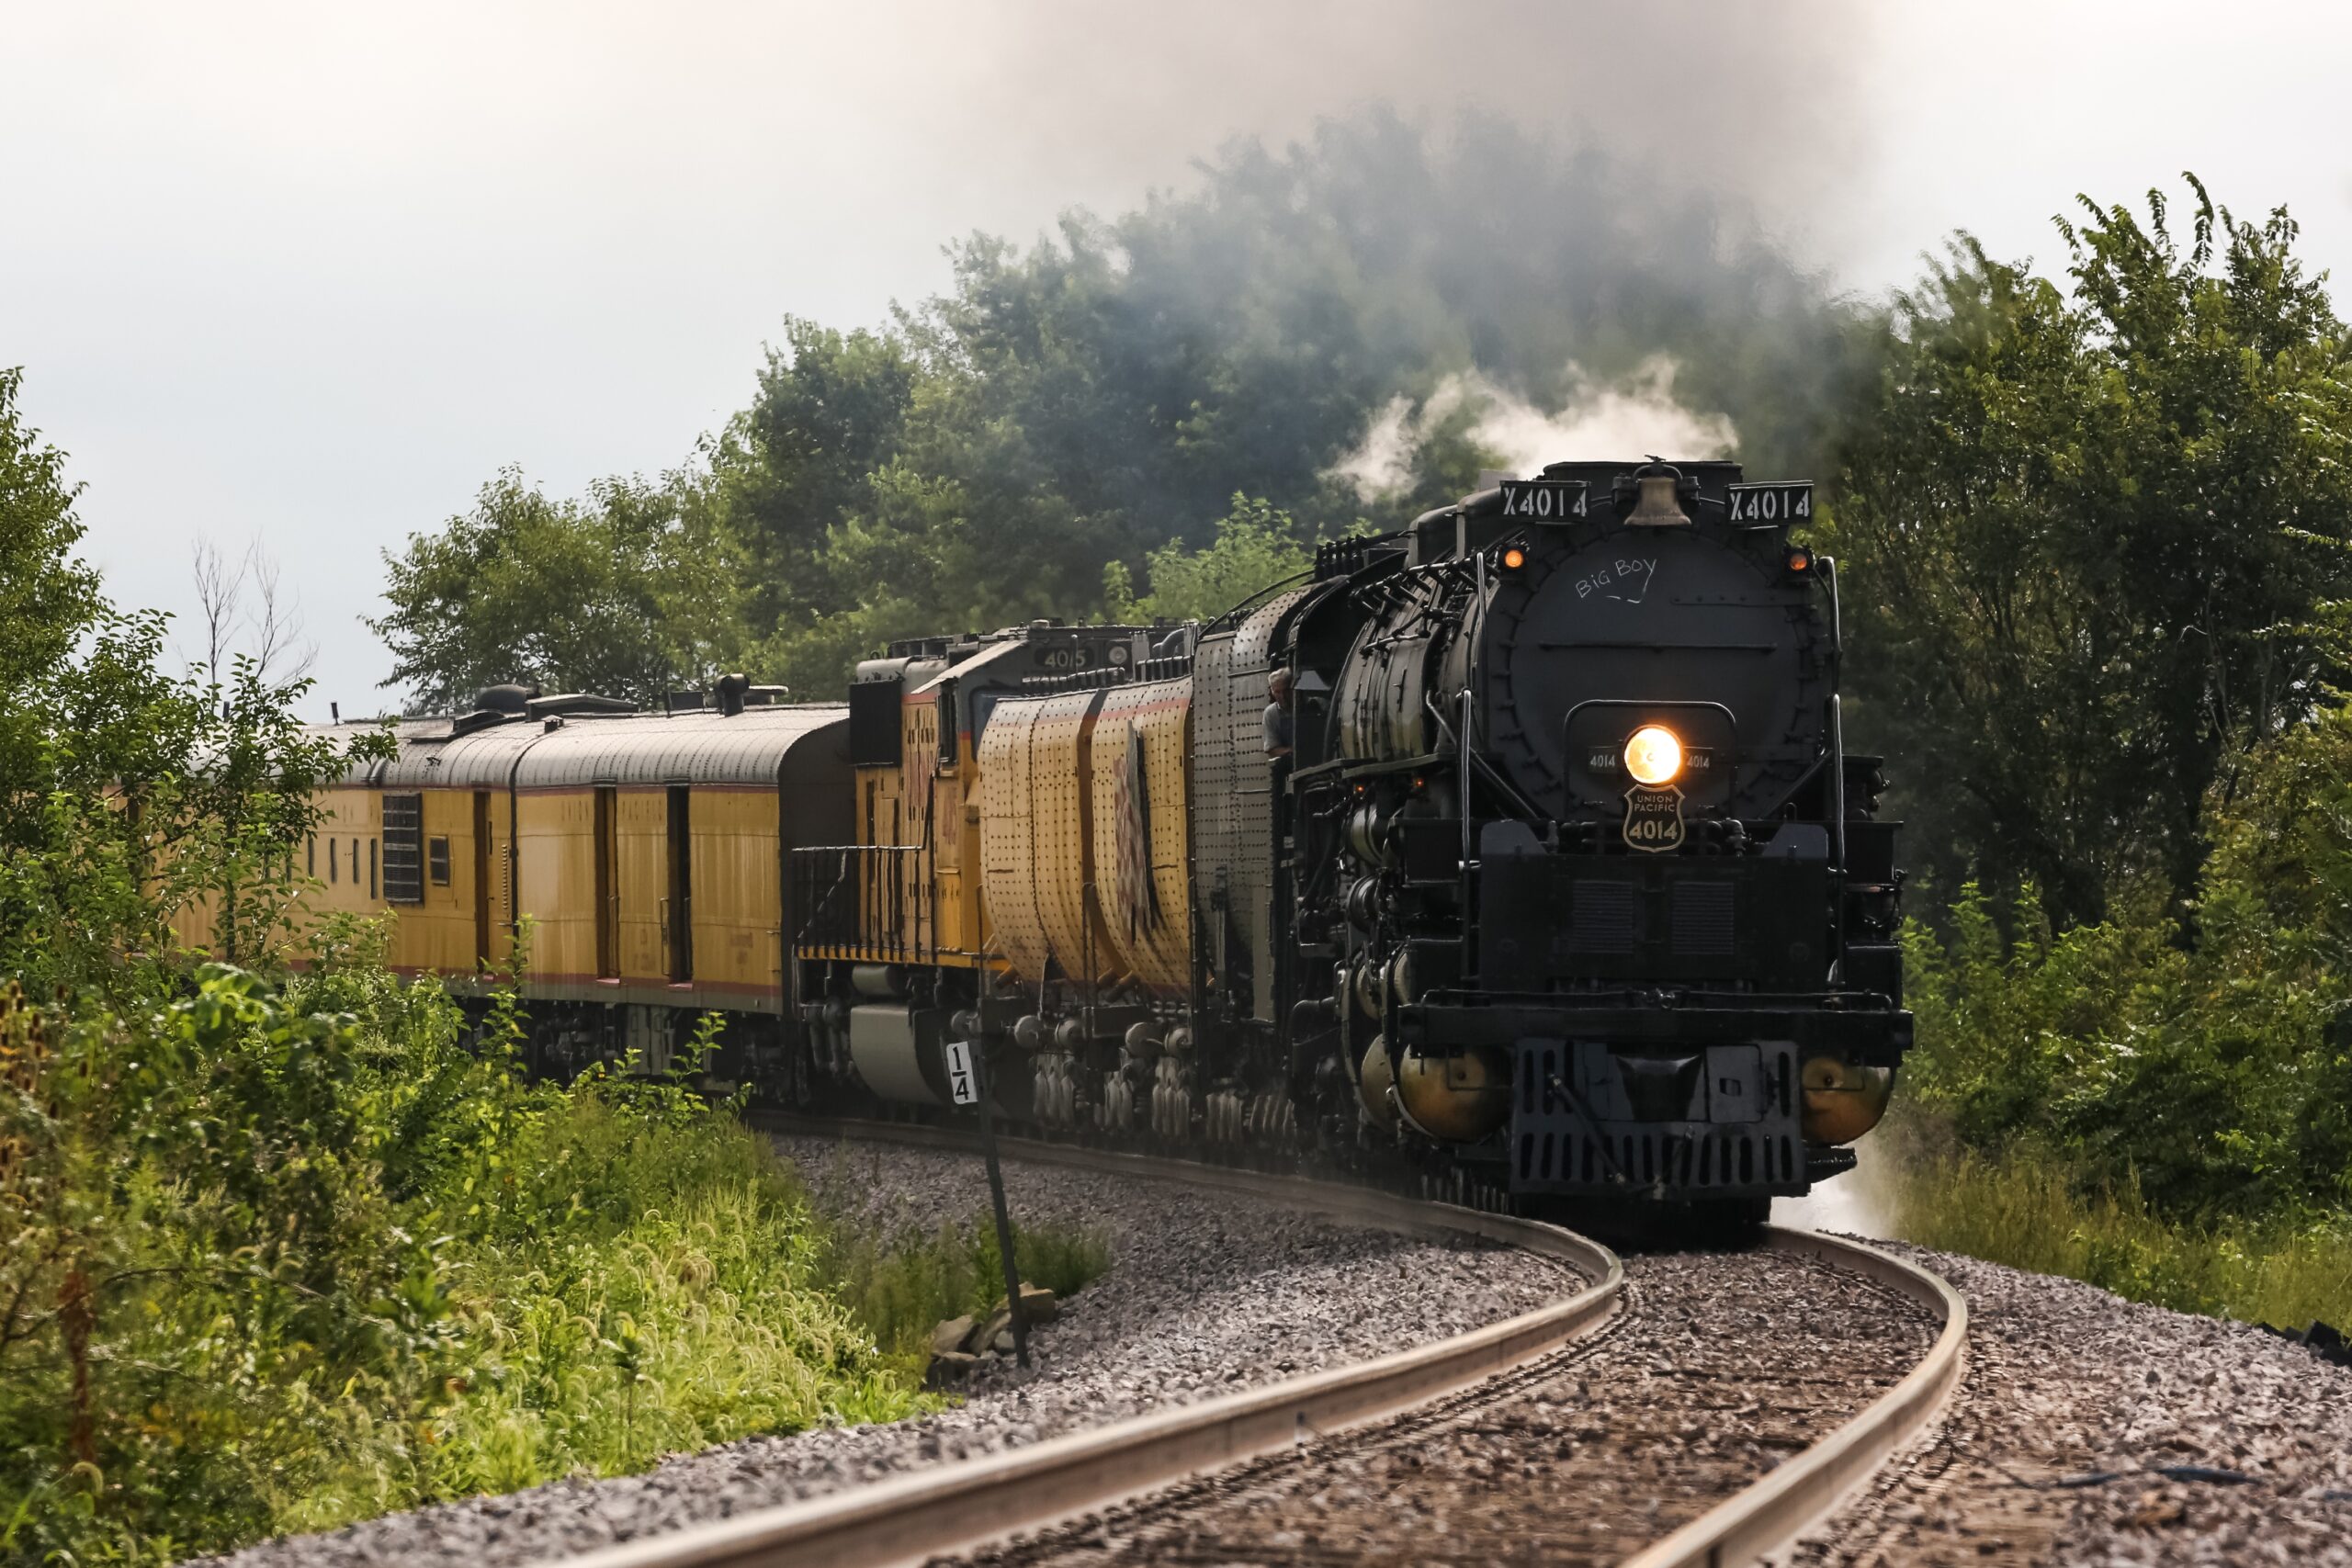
x=280 y=1255
x=2026 y=1208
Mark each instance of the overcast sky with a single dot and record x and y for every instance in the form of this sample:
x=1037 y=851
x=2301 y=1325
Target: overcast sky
x=310 y=273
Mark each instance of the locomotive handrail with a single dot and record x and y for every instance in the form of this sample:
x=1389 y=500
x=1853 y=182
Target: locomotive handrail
x=881 y=903
x=1837 y=714
x=1472 y=938
x=1729 y=718
x=1837 y=779
x=1485 y=769
x=1266 y=591
x=1309 y=572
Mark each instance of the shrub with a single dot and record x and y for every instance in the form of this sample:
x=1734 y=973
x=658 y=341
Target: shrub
x=2030 y=1210
x=2212 y=1066
x=282 y=1256
x=2160 y=1106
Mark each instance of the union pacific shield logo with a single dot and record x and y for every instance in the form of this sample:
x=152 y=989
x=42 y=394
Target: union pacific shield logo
x=1654 y=817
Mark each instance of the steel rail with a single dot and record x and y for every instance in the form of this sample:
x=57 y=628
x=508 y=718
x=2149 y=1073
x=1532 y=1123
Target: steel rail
x=1767 y=1517
x=960 y=1506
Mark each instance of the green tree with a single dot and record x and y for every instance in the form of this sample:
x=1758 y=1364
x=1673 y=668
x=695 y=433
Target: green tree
x=46 y=597
x=1100 y=395
x=629 y=594
x=126 y=795
x=2215 y=1079
x=1242 y=335
x=827 y=417
x=2069 y=524
x=1256 y=547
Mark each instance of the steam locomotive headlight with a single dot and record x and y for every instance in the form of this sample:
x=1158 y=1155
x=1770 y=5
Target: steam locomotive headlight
x=1653 y=755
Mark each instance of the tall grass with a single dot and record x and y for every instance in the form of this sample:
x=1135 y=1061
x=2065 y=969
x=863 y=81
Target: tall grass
x=281 y=1257
x=702 y=1315
x=904 y=1268
x=902 y=1282
x=2029 y=1209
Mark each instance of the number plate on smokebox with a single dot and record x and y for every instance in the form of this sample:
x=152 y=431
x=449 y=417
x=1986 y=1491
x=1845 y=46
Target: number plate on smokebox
x=1766 y=506
x=1543 y=500
x=1654 y=818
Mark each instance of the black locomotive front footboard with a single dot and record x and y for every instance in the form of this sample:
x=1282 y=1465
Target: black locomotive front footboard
x=1718 y=1121
x=1857 y=1027
x=1677 y=1098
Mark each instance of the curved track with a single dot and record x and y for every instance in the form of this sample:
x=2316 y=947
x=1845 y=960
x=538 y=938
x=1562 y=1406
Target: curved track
x=965 y=1506
x=1805 y=1491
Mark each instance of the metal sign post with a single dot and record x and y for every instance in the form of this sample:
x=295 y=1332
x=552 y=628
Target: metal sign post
x=965 y=1087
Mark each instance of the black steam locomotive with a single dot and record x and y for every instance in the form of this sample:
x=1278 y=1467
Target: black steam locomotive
x=1573 y=877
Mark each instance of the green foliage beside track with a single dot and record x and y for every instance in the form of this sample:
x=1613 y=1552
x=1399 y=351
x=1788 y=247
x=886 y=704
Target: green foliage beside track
x=2168 y=1117
x=282 y=1250
x=2028 y=1210
x=2092 y=532
x=282 y=1256
x=2072 y=522
x=903 y=1282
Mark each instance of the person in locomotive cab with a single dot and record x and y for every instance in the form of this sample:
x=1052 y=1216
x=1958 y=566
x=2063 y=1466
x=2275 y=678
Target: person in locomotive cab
x=1278 y=718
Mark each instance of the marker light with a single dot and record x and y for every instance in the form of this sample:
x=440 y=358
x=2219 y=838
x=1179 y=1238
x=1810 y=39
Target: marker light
x=1653 y=755
x=1800 y=560
x=1513 y=559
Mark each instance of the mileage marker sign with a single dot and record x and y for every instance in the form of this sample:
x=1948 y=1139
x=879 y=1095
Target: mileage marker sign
x=963 y=1061
x=962 y=1081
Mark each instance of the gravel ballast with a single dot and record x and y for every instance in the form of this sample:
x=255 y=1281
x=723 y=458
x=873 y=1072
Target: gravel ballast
x=1207 y=1294
x=2054 y=1449
x=1725 y=1367
x=2075 y=1403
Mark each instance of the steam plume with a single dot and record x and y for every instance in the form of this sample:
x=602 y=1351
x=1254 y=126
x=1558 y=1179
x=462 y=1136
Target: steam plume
x=1637 y=414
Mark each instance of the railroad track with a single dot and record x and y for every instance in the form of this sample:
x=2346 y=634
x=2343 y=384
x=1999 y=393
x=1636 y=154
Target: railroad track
x=1199 y=1456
